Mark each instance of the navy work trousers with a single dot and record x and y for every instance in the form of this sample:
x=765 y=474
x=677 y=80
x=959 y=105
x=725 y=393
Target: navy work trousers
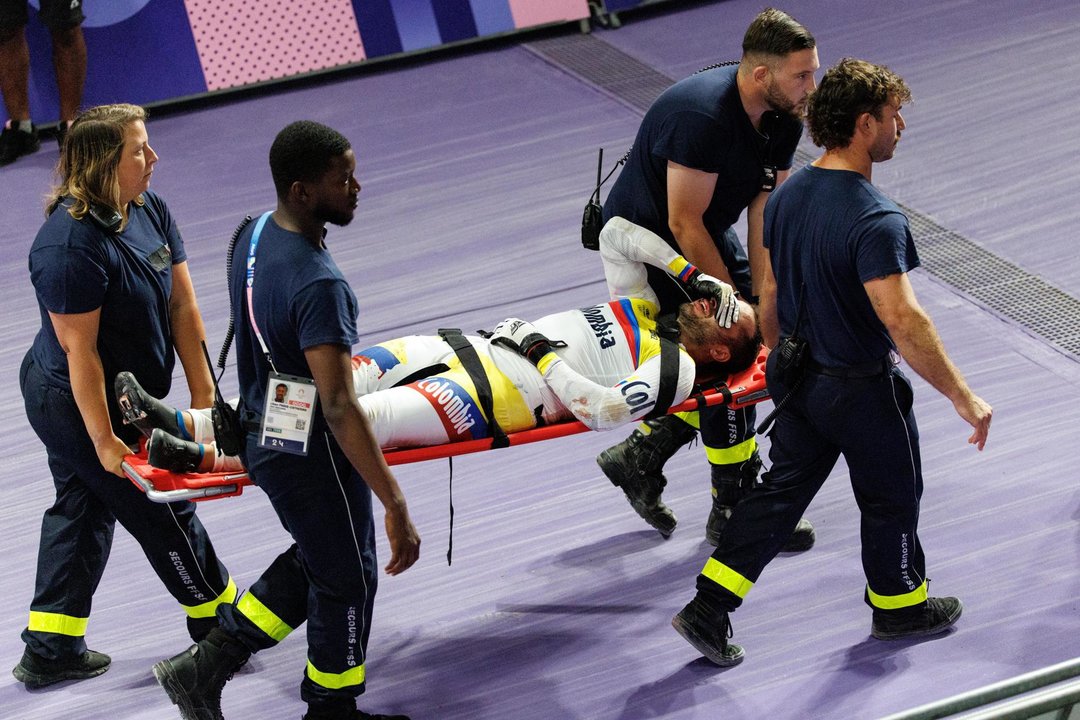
x=77 y=531
x=327 y=578
x=870 y=422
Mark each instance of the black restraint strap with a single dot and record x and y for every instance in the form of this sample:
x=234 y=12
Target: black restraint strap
x=466 y=353
x=669 y=378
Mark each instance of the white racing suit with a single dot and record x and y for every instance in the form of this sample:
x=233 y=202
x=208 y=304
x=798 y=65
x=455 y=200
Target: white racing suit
x=608 y=374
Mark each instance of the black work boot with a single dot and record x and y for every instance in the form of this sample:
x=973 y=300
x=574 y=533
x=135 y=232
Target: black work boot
x=169 y=452
x=730 y=484
x=194 y=678
x=636 y=466
x=35 y=671
x=934 y=616
x=142 y=409
x=706 y=626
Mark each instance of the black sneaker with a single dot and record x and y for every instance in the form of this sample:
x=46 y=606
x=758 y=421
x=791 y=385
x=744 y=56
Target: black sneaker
x=35 y=671
x=143 y=410
x=15 y=143
x=708 y=631
x=61 y=133
x=170 y=453
x=936 y=616
x=195 y=678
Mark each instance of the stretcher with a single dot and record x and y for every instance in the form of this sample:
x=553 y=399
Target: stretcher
x=741 y=390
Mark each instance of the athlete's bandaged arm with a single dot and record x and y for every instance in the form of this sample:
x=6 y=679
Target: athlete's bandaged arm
x=626 y=248
x=603 y=408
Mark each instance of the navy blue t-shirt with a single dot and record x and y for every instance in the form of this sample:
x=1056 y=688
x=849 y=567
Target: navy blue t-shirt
x=300 y=300
x=77 y=267
x=700 y=123
x=833 y=230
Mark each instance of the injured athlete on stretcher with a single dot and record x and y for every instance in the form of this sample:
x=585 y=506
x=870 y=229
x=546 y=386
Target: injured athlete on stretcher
x=601 y=365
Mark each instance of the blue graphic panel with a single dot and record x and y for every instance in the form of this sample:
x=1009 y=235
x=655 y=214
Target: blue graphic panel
x=416 y=24
x=378 y=31
x=141 y=58
x=455 y=20
x=492 y=16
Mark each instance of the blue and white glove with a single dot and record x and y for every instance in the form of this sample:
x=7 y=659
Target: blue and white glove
x=523 y=338
x=706 y=286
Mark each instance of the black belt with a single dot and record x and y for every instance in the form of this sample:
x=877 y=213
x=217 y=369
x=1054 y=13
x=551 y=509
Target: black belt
x=860 y=371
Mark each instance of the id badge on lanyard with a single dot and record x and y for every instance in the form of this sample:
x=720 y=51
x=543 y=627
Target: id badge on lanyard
x=289 y=406
x=288 y=413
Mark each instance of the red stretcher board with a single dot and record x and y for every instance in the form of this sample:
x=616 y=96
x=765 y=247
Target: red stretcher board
x=746 y=388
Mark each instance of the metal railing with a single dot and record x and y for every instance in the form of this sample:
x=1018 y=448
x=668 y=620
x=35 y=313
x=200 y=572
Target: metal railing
x=1012 y=699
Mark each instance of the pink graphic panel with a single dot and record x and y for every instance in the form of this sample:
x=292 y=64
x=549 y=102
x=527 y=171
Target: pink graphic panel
x=530 y=12
x=246 y=41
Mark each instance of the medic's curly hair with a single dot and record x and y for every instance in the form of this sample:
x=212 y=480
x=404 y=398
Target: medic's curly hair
x=849 y=89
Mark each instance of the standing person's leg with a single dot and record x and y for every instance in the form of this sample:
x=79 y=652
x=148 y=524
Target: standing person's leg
x=178 y=549
x=328 y=578
x=731 y=448
x=802 y=458
x=730 y=441
x=882 y=453
x=19 y=136
x=76 y=536
x=171 y=536
x=64 y=19
x=337 y=546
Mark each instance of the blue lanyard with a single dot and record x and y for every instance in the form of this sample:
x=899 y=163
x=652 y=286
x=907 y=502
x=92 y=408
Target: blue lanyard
x=250 y=283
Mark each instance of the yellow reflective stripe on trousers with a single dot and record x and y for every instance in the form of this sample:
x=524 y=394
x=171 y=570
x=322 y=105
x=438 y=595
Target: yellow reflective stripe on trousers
x=727 y=578
x=691 y=418
x=57 y=623
x=208 y=609
x=733 y=455
x=896 y=602
x=263 y=617
x=336 y=681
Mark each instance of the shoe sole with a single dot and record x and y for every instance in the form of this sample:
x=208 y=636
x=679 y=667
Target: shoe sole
x=661 y=523
x=731 y=657
x=166 y=677
x=33 y=681
x=935 y=630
